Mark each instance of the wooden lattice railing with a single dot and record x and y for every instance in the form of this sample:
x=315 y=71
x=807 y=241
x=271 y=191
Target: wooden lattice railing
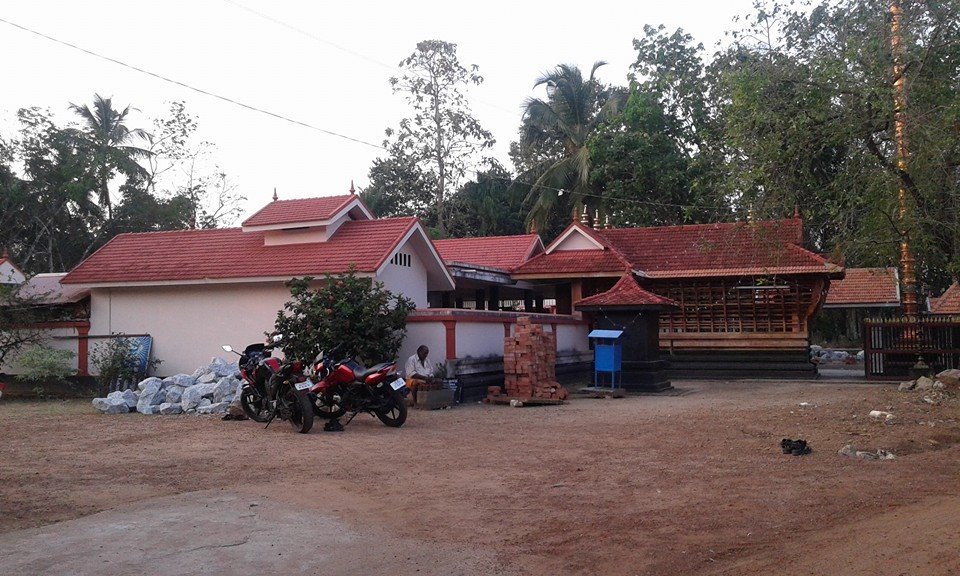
x=892 y=346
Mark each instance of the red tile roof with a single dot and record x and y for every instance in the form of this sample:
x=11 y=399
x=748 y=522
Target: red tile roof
x=625 y=293
x=573 y=263
x=865 y=286
x=730 y=249
x=192 y=255
x=298 y=210
x=948 y=302
x=502 y=252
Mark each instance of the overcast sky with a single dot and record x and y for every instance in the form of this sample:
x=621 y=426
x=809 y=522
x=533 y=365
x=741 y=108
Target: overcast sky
x=320 y=63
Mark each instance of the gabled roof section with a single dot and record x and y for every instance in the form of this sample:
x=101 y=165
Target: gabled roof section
x=302 y=212
x=10 y=273
x=949 y=302
x=498 y=252
x=626 y=293
x=724 y=249
x=865 y=287
x=574 y=232
x=232 y=255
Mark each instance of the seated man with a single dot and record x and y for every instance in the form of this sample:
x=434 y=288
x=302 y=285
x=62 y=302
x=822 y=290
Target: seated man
x=419 y=372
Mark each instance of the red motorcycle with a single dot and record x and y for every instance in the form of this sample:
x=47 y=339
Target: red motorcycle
x=274 y=389
x=346 y=386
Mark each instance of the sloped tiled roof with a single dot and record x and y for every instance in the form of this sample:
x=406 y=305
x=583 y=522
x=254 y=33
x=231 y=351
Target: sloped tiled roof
x=571 y=263
x=948 y=302
x=625 y=293
x=865 y=286
x=502 y=252
x=727 y=249
x=298 y=210
x=192 y=255
x=47 y=287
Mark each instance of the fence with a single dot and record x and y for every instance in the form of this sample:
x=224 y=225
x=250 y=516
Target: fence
x=892 y=346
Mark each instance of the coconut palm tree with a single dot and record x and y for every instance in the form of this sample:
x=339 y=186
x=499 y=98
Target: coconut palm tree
x=565 y=122
x=109 y=138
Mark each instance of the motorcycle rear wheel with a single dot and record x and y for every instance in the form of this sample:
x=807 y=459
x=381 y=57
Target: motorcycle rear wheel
x=394 y=413
x=301 y=411
x=254 y=405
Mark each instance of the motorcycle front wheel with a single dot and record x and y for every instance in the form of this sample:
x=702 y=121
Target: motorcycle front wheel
x=394 y=411
x=328 y=407
x=300 y=410
x=254 y=405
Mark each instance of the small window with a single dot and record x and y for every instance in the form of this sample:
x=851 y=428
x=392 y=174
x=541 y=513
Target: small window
x=401 y=259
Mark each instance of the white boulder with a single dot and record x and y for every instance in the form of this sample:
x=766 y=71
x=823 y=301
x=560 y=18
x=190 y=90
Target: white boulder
x=192 y=396
x=168 y=408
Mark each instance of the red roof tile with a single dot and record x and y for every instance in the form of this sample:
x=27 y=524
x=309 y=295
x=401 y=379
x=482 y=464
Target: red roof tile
x=503 y=252
x=948 y=302
x=572 y=263
x=298 y=210
x=717 y=249
x=625 y=293
x=865 y=286
x=230 y=253
x=730 y=249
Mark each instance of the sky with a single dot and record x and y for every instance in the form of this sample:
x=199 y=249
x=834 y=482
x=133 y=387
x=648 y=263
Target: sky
x=319 y=63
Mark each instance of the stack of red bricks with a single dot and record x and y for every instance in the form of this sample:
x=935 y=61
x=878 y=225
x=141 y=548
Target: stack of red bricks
x=529 y=361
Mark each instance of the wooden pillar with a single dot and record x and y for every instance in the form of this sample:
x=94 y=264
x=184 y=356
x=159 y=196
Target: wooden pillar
x=450 y=327
x=83 y=350
x=494 y=300
x=458 y=303
x=528 y=301
x=576 y=294
x=479 y=299
x=445 y=300
x=538 y=304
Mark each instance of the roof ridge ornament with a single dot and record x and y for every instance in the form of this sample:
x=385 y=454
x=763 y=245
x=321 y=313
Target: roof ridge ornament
x=275 y=198
x=352 y=189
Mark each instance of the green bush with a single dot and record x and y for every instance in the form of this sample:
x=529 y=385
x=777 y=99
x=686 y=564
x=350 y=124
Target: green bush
x=117 y=366
x=45 y=364
x=361 y=318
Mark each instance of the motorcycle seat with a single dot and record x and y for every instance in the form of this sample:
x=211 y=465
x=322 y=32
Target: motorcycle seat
x=371 y=370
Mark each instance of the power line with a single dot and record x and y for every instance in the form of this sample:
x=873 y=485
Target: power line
x=195 y=89
x=299 y=122
x=344 y=49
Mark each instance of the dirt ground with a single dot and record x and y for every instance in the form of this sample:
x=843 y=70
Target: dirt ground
x=693 y=483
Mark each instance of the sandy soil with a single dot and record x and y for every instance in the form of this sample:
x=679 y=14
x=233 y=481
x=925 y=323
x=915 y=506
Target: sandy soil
x=684 y=484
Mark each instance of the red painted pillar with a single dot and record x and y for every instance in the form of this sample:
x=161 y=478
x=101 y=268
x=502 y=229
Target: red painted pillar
x=506 y=329
x=451 y=334
x=83 y=350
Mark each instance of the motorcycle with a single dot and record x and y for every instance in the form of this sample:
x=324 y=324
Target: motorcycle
x=273 y=389
x=347 y=387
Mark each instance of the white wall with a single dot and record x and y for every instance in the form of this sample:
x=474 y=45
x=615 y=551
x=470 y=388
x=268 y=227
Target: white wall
x=479 y=339
x=68 y=342
x=576 y=241
x=572 y=337
x=411 y=281
x=431 y=334
x=10 y=275
x=188 y=323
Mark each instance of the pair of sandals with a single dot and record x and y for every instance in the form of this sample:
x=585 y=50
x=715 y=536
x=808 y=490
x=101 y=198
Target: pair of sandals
x=794 y=447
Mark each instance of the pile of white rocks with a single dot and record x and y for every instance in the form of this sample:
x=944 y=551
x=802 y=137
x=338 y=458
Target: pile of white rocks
x=934 y=390
x=209 y=390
